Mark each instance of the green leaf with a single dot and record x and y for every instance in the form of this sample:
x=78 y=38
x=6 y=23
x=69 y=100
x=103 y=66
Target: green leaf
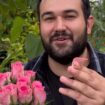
x=12 y=6
x=21 y=4
x=16 y=29
x=4 y=8
x=33 y=46
x=33 y=4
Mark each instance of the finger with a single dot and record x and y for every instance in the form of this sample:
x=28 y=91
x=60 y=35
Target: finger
x=80 y=61
x=77 y=96
x=79 y=86
x=79 y=104
x=86 y=76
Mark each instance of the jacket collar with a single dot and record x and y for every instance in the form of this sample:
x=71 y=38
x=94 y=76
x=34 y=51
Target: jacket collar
x=94 y=60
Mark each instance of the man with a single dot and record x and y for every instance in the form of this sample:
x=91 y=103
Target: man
x=71 y=70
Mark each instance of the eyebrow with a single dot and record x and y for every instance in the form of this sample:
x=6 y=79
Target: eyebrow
x=65 y=11
x=70 y=11
x=46 y=13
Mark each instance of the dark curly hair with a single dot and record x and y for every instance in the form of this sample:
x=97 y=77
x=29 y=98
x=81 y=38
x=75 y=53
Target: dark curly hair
x=85 y=7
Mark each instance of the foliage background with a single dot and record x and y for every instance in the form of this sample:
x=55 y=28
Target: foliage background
x=19 y=31
x=98 y=35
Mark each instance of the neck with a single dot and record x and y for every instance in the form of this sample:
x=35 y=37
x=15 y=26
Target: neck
x=59 y=69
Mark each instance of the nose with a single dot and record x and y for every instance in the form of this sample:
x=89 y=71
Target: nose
x=60 y=25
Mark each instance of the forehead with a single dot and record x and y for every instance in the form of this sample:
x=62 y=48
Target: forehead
x=60 y=5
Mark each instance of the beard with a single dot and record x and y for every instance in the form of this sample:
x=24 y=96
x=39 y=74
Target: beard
x=62 y=55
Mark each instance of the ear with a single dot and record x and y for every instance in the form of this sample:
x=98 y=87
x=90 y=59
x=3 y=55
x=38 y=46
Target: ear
x=90 y=23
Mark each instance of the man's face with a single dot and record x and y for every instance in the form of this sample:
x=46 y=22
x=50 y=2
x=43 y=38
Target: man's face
x=63 y=29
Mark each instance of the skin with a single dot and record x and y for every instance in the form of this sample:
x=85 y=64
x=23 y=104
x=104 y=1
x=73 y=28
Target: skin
x=65 y=17
x=85 y=87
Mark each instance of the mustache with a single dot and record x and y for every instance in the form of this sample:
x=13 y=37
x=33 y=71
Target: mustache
x=61 y=34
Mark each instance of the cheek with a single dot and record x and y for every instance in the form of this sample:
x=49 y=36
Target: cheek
x=46 y=29
x=78 y=29
x=45 y=32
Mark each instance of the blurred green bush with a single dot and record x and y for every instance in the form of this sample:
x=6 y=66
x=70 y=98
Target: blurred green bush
x=19 y=31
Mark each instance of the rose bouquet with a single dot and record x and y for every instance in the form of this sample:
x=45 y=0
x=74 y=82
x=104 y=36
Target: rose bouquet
x=19 y=87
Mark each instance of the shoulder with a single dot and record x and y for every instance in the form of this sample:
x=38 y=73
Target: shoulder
x=31 y=63
x=101 y=57
x=37 y=62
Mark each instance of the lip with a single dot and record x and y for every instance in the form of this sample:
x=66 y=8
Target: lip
x=61 y=41
x=61 y=38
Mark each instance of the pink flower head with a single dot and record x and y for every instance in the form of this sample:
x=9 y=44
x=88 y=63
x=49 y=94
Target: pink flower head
x=3 y=79
x=23 y=80
x=12 y=90
x=17 y=70
x=4 y=97
x=25 y=94
x=31 y=74
x=39 y=93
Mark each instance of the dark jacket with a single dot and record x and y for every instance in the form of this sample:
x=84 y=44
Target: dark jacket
x=97 y=63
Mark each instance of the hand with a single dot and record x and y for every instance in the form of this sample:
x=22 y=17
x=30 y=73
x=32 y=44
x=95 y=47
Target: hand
x=87 y=87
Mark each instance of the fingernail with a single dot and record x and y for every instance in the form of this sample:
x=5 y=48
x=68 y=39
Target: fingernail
x=62 y=78
x=61 y=90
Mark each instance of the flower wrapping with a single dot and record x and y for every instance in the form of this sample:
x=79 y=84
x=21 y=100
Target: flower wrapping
x=19 y=87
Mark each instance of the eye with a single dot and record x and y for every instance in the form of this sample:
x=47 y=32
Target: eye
x=70 y=17
x=50 y=18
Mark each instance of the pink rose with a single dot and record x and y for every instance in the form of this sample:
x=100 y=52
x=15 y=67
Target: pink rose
x=23 y=80
x=24 y=94
x=39 y=93
x=3 y=79
x=17 y=70
x=12 y=90
x=4 y=97
x=31 y=74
